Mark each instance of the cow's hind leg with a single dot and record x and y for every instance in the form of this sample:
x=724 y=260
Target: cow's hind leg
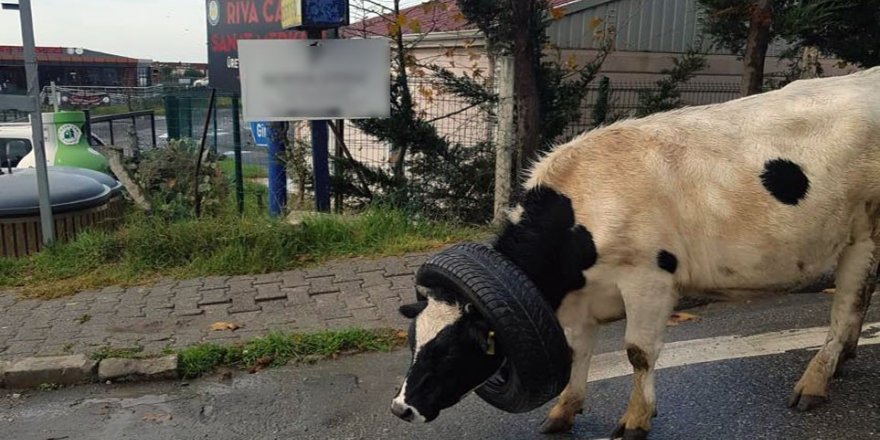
x=855 y=283
x=649 y=296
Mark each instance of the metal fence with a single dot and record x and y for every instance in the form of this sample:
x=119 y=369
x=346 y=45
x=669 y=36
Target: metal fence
x=152 y=116
x=623 y=100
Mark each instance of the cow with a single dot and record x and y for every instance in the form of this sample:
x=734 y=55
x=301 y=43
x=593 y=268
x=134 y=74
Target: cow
x=734 y=200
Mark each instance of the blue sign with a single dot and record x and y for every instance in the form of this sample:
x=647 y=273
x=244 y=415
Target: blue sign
x=315 y=14
x=260 y=133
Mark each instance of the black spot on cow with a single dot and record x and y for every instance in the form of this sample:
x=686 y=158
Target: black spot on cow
x=785 y=180
x=667 y=261
x=637 y=357
x=547 y=244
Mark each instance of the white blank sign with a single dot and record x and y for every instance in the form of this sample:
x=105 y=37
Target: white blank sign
x=283 y=80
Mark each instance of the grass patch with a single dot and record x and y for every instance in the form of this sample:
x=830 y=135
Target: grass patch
x=278 y=348
x=248 y=170
x=145 y=249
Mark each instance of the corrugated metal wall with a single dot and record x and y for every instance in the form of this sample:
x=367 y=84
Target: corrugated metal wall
x=641 y=25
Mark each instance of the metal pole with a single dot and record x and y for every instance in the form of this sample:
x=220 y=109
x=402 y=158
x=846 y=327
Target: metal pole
x=55 y=100
x=337 y=164
x=236 y=138
x=30 y=67
x=277 y=172
x=320 y=138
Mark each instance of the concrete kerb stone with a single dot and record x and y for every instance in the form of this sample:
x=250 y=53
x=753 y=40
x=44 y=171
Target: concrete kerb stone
x=32 y=372
x=124 y=370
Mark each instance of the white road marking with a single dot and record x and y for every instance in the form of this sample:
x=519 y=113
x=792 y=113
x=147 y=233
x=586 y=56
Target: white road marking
x=698 y=351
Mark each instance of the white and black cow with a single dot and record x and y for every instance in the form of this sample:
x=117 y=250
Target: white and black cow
x=732 y=200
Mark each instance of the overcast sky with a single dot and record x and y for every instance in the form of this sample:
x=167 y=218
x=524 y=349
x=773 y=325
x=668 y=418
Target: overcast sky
x=162 y=30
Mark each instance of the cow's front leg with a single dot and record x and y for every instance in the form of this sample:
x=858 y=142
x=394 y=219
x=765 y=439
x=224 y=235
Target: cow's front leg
x=855 y=283
x=649 y=296
x=582 y=338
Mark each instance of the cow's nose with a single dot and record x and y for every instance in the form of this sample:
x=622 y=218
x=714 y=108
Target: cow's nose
x=402 y=410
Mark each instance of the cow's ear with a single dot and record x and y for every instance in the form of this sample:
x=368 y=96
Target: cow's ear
x=410 y=311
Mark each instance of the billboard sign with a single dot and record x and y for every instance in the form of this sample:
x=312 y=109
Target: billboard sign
x=233 y=20
x=314 y=14
x=308 y=79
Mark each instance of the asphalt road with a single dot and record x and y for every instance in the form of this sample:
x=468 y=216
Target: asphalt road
x=736 y=398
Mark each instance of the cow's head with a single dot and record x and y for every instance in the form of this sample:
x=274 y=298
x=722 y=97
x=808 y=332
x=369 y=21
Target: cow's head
x=453 y=354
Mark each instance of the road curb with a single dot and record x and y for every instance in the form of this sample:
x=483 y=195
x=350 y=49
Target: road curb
x=35 y=372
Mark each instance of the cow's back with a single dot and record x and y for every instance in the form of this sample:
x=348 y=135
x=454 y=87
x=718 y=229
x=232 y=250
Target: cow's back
x=753 y=192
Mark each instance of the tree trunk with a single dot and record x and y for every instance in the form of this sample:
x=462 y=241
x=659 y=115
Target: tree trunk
x=526 y=60
x=756 y=47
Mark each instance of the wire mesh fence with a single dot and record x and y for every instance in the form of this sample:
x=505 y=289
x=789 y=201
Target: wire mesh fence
x=146 y=118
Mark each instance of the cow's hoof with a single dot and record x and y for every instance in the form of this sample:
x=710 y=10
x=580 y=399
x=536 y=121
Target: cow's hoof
x=805 y=402
x=556 y=425
x=629 y=434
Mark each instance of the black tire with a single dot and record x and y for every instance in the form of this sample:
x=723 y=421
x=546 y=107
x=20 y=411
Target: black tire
x=537 y=357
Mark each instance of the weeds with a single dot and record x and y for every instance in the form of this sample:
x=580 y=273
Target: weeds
x=279 y=348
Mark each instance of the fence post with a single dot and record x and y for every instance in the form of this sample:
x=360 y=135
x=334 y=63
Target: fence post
x=236 y=138
x=504 y=138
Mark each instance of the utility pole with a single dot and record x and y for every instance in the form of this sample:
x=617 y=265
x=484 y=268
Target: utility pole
x=31 y=103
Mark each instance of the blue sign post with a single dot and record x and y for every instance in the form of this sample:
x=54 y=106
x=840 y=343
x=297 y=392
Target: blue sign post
x=315 y=16
x=275 y=134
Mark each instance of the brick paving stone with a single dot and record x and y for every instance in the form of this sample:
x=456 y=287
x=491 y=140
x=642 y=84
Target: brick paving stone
x=189 y=312
x=244 y=302
x=396 y=268
x=367 y=314
x=214 y=296
x=182 y=284
x=330 y=307
x=293 y=278
x=240 y=285
x=345 y=274
x=354 y=302
x=340 y=323
x=270 y=292
x=267 y=278
x=297 y=295
x=414 y=261
x=403 y=282
x=320 y=286
x=130 y=312
x=112 y=289
x=320 y=272
x=349 y=287
x=214 y=282
x=362 y=266
x=375 y=279
x=33 y=335
x=379 y=293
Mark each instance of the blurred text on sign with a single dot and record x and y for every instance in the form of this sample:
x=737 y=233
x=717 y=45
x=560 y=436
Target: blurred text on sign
x=285 y=80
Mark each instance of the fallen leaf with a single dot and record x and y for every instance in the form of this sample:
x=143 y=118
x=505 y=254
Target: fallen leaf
x=401 y=334
x=829 y=291
x=679 y=317
x=261 y=363
x=220 y=326
x=157 y=417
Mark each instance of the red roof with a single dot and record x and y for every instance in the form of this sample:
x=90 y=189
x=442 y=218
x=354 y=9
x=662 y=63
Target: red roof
x=64 y=55
x=431 y=16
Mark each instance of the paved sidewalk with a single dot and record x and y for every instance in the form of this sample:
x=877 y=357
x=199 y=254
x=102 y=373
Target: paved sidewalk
x=346 y=293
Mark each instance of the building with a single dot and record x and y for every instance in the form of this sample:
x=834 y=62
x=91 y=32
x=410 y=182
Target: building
x=68 y=66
